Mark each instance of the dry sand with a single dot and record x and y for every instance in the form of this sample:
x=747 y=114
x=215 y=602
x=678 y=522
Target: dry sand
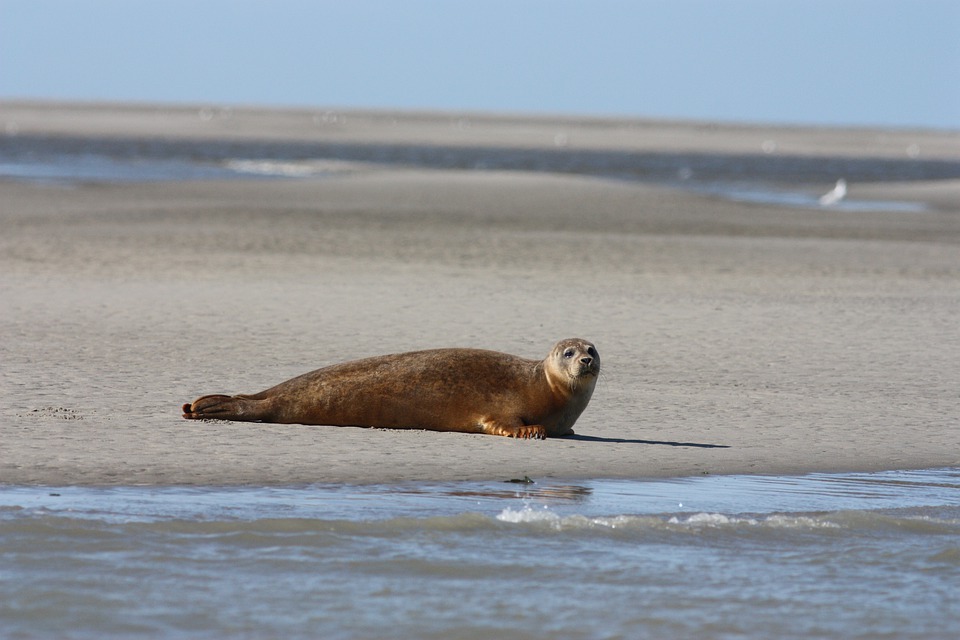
x=735 y=338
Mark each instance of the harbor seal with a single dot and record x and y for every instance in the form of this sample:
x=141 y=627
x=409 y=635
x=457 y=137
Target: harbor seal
x=465 y=390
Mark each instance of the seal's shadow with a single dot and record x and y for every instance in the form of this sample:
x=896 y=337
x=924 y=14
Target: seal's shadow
x=632 y=441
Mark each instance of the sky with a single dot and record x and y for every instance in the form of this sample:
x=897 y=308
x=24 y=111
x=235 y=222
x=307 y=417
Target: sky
x=893 y=63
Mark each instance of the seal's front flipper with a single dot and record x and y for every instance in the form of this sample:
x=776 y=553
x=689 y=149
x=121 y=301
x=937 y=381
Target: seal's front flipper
x=221 y=407
x=531 y=431
x=523 y=431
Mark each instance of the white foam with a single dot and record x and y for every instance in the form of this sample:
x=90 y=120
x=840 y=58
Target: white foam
x=543 y=515
x=304 y=169
x=779 y=521
x=710 y=519
x=528 y=514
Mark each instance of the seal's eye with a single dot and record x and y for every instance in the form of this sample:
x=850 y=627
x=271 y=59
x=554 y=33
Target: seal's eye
x=568 y=353
x=592 y=352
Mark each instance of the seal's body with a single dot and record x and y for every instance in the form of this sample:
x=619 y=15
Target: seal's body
x=466 y=390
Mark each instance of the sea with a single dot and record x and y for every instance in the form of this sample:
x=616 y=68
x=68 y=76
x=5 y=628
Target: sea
x=863 y=555
x=760 y=178
x=857 y=555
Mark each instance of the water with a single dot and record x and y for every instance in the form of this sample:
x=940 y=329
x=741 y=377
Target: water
x=792 y=181
x=832 y=556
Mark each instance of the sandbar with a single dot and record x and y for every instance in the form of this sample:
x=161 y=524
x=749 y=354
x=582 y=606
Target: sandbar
x=735 y=337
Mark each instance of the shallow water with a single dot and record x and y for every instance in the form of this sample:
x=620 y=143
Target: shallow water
x=839 y=556
x=781 y=180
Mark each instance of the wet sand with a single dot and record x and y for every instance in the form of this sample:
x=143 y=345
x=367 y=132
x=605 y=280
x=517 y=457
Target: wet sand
x=736 y=338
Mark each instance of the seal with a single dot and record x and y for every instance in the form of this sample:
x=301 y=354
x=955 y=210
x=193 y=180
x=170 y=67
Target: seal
x=463 y=390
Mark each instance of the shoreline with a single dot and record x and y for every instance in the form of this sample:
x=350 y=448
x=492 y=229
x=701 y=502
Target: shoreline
x=369 y=126
x=737 y=338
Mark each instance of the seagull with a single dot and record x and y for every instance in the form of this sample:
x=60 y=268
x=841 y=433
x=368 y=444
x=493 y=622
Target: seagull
x=835 y=195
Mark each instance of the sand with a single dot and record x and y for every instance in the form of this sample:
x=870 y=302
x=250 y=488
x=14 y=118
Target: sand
x=735 y=338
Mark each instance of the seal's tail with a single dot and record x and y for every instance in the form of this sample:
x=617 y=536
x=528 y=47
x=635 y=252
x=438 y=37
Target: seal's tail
x=223 y=407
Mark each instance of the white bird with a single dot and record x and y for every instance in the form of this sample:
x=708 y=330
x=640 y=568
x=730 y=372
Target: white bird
x=835 y=195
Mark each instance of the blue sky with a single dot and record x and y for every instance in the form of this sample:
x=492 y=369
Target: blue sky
x=840 y=62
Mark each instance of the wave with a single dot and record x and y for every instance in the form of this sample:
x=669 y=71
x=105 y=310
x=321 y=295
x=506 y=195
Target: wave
x=896 y=503
x=907 y=521
x=533 y=519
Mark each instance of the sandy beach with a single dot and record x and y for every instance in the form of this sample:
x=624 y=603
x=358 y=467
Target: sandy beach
x=735 y=337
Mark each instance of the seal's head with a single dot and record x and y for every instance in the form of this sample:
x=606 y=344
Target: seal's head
x=574 y=363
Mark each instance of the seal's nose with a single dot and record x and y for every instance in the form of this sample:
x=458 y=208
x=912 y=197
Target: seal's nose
x=586 y=360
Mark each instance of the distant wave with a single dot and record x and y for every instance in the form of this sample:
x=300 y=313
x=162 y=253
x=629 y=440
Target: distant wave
x=291 y=169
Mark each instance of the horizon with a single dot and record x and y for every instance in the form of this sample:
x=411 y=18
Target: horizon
x=201 y=105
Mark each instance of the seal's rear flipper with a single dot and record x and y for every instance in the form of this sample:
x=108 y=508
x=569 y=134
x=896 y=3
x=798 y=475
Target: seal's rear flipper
x=221 y=407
